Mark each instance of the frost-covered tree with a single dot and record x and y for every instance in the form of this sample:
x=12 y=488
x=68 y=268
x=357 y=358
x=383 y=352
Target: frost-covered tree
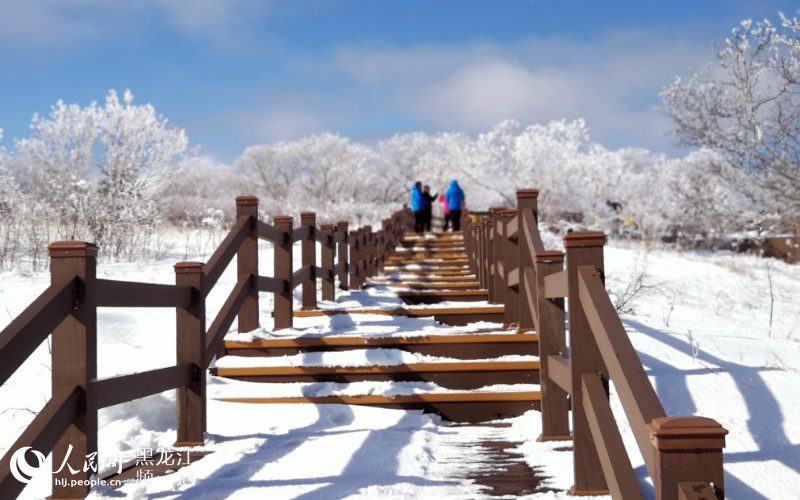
x=95 y=171
x=746 y=107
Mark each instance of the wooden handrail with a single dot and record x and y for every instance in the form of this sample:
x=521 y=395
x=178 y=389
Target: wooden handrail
x=219 y=327
x=42 y=434
x=301 y=233
x=270 y=284
x=113 y=293
x=301 y=275
x=27 y=331
x=614 y=459
x=115 y=390
x=530 y=231
x=223 y=255
x=270 y=233
x=637 y=395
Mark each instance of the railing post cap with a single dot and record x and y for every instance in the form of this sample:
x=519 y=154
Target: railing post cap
x=583 y=239
x=189 y=268
x=325 y=225
x=307 y=215
x=508 y=213
x=61 y=249
x=686 y=433
x=342 y=223
x=247 y=200
x=282 y=219
x=487 y=221
x=496 y=210
x=527 y=193
x=549 y=256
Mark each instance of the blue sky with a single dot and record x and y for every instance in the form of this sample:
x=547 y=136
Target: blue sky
x=239 y=72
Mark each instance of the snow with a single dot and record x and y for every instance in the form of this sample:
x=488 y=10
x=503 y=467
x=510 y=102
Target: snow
x=702 y=332
x=360 y=357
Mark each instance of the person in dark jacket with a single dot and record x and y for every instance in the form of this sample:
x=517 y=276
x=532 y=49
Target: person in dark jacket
x=417 y=206
x=455 y=200
x=427 y=202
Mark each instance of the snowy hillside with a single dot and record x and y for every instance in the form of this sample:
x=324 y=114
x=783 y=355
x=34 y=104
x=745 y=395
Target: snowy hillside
x=701 y=325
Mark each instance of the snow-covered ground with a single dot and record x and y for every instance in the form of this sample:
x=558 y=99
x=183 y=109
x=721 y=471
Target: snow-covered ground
x=719 y=335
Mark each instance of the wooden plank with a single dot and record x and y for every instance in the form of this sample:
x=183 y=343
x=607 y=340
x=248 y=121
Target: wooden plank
x=269 y=284
x=555 y=285
x=442 y=293
x=614 y=459
x=42 y=434
x=429 y=311
x=271 y=233
x=301 y=233
x=530 y=229
x=224 y=253
x=301 y=275
x=694 y=490
x=512 y=338
x=513 y=278
x=461 y=366
x=112 y=293
x=637 y=395
x=33 y=325
x=219 y=327
x=115 y=390
x=375 y=399
x=560 y=372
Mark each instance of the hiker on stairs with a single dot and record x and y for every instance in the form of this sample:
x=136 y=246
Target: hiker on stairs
x=455 y=201
x=427 y=200
x=417 y=206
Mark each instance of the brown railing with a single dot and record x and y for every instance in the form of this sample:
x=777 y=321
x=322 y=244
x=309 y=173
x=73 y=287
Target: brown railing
x=683 y=455
x=68 y=311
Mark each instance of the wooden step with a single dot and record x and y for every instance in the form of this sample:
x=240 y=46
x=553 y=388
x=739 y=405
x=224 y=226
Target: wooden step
x=453 y=406
x=456 y=316
x=456 y=346
x=429 y=271
x=450 y=375
x=454 y=263
x=393 y=279
x=398 y=287
x=436 y=296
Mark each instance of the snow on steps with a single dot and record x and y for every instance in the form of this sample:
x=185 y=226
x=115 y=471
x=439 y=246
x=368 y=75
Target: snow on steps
x=457 y=346
x=464 y=377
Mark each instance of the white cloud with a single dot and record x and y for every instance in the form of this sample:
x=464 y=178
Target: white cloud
x=613 y=82
x=56 y=23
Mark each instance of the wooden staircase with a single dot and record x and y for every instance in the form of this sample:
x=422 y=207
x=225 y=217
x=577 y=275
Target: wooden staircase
x=479 y=375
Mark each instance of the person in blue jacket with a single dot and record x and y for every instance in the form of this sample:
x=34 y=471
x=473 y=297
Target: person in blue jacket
x=418 y=207
x=455 y=201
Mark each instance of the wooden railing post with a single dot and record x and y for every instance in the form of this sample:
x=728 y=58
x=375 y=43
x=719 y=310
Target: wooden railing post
x=191 y=348
x=552 y=342
x=510 y=261
x=355 y=258
x=481 y=230
x=496 y=253
x=382 y=241
x=74 y=363
x=489 y=265
x=283 y=271
x=309 y=258
x=327 y=261
x=687 y=450
x=369 y=254
x=341 y=227
x=583 y=248
x=247 y=262
x=526 y=200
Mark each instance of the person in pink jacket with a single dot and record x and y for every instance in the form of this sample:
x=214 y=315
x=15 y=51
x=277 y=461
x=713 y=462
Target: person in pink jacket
x=446 y=210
